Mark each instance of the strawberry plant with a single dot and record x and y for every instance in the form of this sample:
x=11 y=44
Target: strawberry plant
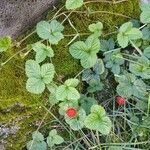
x=107 y=97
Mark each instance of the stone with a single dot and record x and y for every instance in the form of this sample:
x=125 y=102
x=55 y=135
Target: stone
x=16 y=16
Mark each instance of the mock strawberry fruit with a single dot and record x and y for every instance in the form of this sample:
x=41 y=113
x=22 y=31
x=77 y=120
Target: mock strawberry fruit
x=120 y=100
x=71 y=112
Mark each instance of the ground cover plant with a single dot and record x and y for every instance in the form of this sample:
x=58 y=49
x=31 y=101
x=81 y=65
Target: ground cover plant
x=119 y=65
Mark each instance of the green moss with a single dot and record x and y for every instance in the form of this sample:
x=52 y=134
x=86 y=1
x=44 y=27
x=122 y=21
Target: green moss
x=15 y=102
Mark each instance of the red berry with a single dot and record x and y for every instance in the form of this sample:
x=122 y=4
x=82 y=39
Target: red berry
x=120 y=100
x=71 y=112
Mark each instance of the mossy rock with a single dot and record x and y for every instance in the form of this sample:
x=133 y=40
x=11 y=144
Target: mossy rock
x=16 y=103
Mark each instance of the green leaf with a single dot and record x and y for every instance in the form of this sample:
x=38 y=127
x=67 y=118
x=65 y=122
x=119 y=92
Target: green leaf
x=37 y=143
x=107 y=45
x=67 y=91
x=72 y=82
x=147 y=52
x=73 y=4
x=145 y=15
x=51 y=31
x=32 y=69
x=96 y=28
x=54 y=138
x=35 y=85
x=86 y=52
x=95 y=86
x=98 y=120
x=99 y=67
x=89 y=61
x=5 y=43
x=38 y=76
x=129 y=86
x=86 y=103
x=114 y=60
x=141 y=68
x=76 y=123
x=47 y=73
x=42 y=51
x=126 y=33
x=34 y=145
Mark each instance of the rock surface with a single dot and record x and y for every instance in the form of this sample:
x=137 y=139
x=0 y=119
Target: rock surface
x=17 y=15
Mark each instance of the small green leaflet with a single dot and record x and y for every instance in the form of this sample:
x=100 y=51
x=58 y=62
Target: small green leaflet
x=68 y=91
x=50 y=31
x=52 y=87
x=129 y=86
x=86 y=51
x=38 y=76
x=54 y=138
x=5 y=43
x=94 y=73
x=76 y=123
x=96 y=28
x=42 y=51
x=37 y=143
x=98 y=120
x=146 y=52
x=95 y=86
x=141 y=68
x=145 y=15
x=86 y=103
x=73 y=4
x=126 y=33
x=114 y=60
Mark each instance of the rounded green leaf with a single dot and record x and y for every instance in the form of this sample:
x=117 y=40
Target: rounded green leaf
x=34 y=145
x=89 y=61
x=32 y=69
x=98 y=120
x=78 y=50
x=47 y=72
x=35 y=85
x=72 y=93
x=73 y=4
x=72 y=82
x=61 y=93
x=145 y=15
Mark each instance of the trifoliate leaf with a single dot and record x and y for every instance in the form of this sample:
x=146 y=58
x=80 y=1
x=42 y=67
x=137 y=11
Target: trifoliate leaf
x=86 y=52
x=77 y=123
x=126 y=33
x=54 y=138
x=50 y=31
x=42 y=51
x=145 y=15
x=96 y=28
x=98 y=120
x=5 y=43
x=68 y=91
x=129 y=86
x=38 y=76
x=73 y=4
x=72 y=82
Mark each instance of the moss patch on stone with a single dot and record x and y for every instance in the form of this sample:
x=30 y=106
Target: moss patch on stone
x=19 y=106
